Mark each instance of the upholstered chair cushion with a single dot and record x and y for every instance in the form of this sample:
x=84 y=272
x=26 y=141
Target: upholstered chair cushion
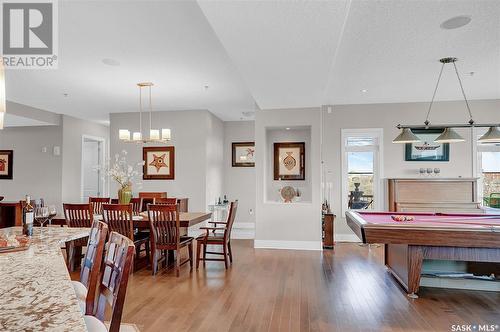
x=80 y=290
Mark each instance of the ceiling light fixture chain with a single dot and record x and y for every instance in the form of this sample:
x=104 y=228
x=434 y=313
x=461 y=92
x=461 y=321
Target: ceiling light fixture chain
x=150 y=109
x=434 y=95
x=140 y=110
x=471 y=120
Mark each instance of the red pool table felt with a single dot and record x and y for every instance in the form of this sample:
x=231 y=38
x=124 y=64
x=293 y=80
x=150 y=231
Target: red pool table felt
x=432 y=219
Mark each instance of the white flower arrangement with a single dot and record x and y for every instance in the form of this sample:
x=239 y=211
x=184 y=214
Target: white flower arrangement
x=120 y=171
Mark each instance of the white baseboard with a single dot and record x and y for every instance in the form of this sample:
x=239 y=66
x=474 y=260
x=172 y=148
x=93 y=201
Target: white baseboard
x=346 y=238
x=243 y=230
x=240 y=231
x=294 y=245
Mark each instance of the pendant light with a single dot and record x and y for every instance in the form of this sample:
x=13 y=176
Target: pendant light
x=449 y=136
x=155 y=135
x=491 y=136
x=406 y=136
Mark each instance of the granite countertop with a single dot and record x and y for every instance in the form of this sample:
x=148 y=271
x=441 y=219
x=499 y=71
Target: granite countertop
x=36 y=293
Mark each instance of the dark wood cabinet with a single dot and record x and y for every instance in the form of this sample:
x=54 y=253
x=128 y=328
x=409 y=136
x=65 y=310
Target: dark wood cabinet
x=10 y=214
x=328 y=230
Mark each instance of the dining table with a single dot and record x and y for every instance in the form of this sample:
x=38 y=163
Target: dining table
x=141 y=221
x=186 y=219
x=36 y=293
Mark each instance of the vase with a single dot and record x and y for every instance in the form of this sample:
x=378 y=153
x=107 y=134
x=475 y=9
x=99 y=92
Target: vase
x=125 y=195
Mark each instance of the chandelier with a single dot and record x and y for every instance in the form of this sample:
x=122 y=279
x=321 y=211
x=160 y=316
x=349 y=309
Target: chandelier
x=155 y=135
x=448 y=135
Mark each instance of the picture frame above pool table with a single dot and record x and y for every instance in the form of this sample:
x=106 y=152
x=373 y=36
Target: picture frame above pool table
x=427 y=149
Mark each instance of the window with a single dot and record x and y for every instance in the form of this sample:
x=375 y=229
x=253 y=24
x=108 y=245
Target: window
x=361 y=169
x=488 y=172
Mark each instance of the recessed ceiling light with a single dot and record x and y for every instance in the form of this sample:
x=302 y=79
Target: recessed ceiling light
x=364 y=90
x=111 y=62
x=456 y=22
x=287 y=128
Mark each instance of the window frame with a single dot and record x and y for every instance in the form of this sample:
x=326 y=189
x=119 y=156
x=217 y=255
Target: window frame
x=378 y=135
x=478 y=149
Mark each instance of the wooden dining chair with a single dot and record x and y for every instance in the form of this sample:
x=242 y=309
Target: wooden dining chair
x=97 y=203
x=77 y=215
x=85 y=289
x=112 y=286
x=165 y=200
x=149 y=197
x=119 y=219
x=152 y=194
x=165 y=235
x=217 y=238
x=136 y=203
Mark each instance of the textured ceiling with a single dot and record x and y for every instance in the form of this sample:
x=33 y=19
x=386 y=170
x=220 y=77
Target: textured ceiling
x=276 y=54
x=169 y=43
x=294 y=54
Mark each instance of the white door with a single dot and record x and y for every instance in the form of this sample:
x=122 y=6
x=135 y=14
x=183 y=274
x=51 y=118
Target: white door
x=92 y=182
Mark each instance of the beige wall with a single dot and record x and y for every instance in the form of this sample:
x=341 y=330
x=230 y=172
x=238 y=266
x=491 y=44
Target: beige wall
x=193 y=134
x=73 y=131
x=284 y=225
x=57 y=179
x=35 y=172
x=214 y=159
x=239 y=182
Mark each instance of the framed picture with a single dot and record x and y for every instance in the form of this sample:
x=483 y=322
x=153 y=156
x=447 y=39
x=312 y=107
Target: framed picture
x=159 y=163
x=427 y=149
x=6 y=164
x=289 y=161
x=243 y=154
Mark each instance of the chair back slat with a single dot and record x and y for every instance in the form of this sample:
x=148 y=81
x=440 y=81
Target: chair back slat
x=91 y=266
x=136 y=203
x=78 y=215
x=113 y=284
x=165 y=200
x=233 y=207
x=97 y=203
x=164 y=224
x=119 y=219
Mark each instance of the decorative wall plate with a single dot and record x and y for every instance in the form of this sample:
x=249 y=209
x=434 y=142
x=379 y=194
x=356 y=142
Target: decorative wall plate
x=288 y=193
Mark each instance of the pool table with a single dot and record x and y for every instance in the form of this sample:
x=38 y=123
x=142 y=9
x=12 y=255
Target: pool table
x=459 y=237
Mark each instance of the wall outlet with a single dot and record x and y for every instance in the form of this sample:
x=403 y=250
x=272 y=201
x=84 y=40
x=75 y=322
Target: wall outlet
x=250 y=211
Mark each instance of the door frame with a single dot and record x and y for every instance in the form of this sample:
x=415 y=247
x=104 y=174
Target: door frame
x=102 y=180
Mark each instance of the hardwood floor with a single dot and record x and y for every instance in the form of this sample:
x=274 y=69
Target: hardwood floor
x=283 y=290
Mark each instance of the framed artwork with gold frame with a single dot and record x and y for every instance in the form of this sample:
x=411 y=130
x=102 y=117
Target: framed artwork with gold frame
x=289 y=161
x=159 y=163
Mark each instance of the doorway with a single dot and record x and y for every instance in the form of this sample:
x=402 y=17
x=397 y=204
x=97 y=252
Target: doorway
x=92 y=167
